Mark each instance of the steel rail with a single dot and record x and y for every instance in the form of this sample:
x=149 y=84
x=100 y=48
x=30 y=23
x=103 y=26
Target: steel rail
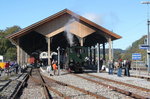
x=76 y=88
x=142 y=77
x=50 y=88
x=21 y=85
x=135 y=76
x=47 y=95
x=128 y=93
x=129 y=85
x=19 y=88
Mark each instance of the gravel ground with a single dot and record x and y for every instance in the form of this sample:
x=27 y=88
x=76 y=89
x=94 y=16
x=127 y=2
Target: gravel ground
x=87 y=85
x=142 y=93
x=140 y=73
x=136 y=72
x=10 y=86
x=67 y=91
x=33 y=91
x=130 y=80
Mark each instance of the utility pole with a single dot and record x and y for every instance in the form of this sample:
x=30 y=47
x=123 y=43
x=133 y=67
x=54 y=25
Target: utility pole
x=58 y=61
x=148 y=35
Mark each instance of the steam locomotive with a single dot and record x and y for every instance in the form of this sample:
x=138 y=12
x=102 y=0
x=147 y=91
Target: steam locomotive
x=77 y=58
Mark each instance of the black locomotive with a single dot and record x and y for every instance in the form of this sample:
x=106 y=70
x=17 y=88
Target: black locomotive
x=77 y=58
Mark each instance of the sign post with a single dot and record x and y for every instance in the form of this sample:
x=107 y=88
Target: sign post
x=136 y=57
x=144 y=46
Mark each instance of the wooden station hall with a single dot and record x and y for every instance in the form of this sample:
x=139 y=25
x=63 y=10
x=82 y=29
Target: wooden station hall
x=63 y=29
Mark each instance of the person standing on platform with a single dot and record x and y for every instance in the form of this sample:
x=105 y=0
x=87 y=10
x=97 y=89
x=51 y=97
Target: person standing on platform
x=111 y=66
x=101 y=63
x=0 y=70
x=124 y=66
x=119 y=68
x=54 y=67
x=49 y=69
x=17 y=67
x=128 y=64
x=7 y=67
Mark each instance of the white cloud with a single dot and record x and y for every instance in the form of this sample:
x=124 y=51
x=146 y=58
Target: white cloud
x=94 y=17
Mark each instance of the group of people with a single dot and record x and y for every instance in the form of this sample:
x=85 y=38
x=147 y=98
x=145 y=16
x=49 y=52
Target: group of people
x=9 y=67
x=119 y=65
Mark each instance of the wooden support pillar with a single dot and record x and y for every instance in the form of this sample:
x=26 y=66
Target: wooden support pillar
x=99 y=50
x=90 y=55
x=104 y=58
x=23 y=57
x=49 y=50
x=89 y=50
x=20 y=58
x=18 y=52
x=26 y=58
x=98 y=61
x=110 y=48
x=94 y=55
x=81 y=41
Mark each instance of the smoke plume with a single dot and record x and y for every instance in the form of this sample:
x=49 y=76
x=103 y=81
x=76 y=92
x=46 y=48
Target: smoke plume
x=68 y=28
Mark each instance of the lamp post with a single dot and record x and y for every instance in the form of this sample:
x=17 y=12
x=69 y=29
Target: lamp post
x=148 y=36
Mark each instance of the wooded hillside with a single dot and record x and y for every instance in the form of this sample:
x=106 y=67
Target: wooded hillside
x=134 y=48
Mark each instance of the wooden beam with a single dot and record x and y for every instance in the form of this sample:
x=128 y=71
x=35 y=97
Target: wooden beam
x=98 y=53
x=110 y=48
x=104 y=51
x=81 y=41
x=18 y=52
x=49 y=50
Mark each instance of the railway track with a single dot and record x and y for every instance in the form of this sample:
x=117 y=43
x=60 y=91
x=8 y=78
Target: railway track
x=41 y=86
x=56 y=89
x=136 y=76
x=80 y=90
x=46 y=87
x=35 y=87
x=112 y=84
x=121 y=83
x=142 y=77
x=11 y=89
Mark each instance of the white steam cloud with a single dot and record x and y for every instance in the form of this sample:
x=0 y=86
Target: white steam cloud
x=68 y=28
x=94 y=17
x=109 y=20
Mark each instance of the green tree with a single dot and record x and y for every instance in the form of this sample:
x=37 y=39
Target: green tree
x=117 y=55
x=10 y=54
x=8 y=50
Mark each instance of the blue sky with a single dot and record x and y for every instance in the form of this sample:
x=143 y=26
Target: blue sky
x=127 y=18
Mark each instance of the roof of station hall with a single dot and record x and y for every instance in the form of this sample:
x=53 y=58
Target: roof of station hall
x=65 y=11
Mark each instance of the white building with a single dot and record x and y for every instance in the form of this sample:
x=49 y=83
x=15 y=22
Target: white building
x=1 y=58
